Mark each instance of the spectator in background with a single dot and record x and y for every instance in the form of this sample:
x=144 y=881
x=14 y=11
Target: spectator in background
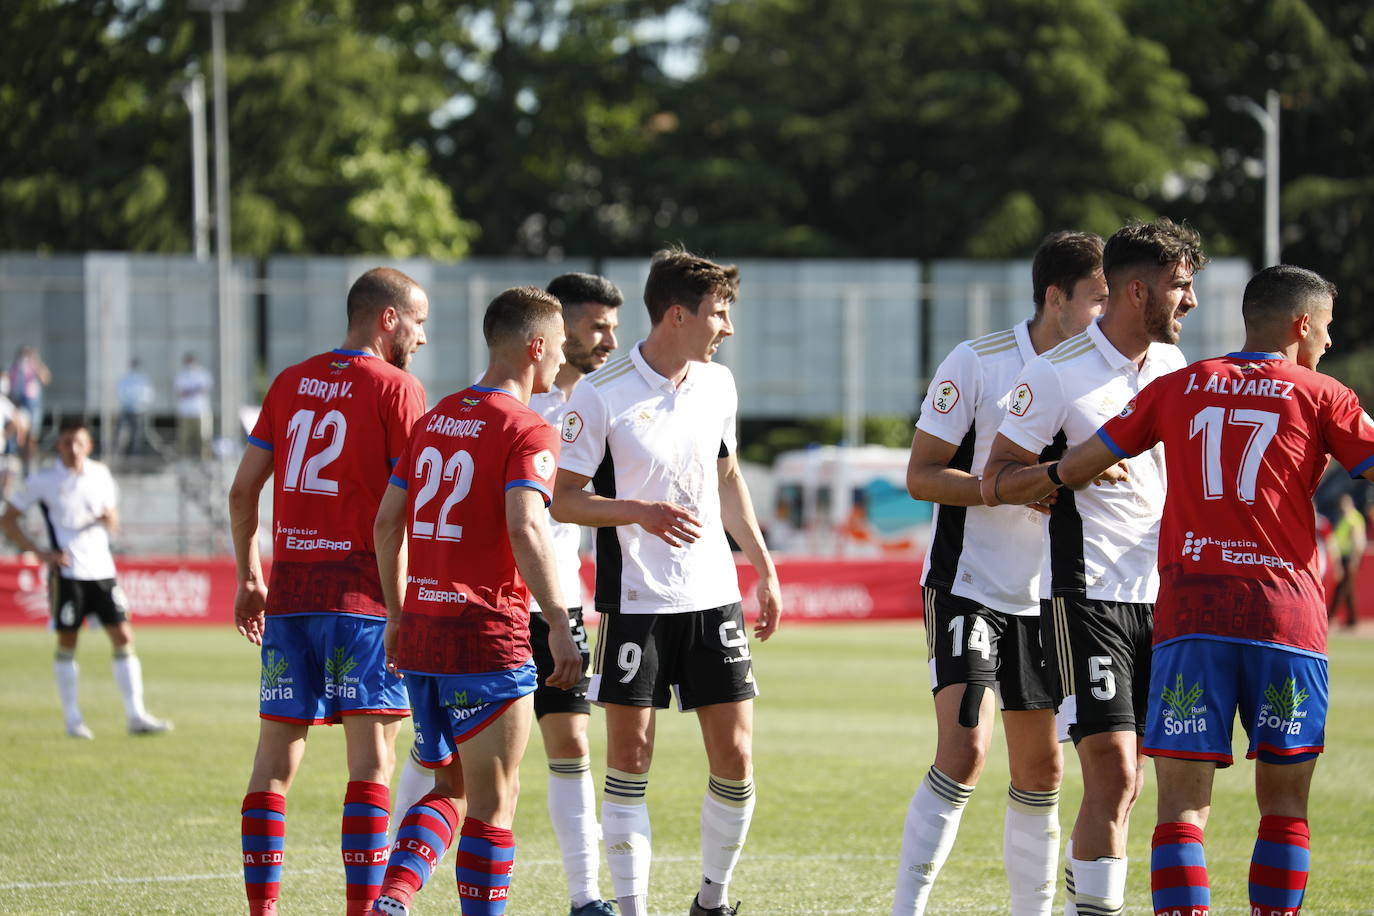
x=191 y=388
x=135 y=394
x=1348 y=538
x=26 y=378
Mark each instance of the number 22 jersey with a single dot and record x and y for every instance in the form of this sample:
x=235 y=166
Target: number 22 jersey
x=466 y=607
x=335 y=425
x=1246 y=437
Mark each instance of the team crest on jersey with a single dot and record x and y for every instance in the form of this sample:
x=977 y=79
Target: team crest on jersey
x=572 y=427
x=946 y=396
x=1021 y=399
x=339 y=364
x=544 y=464
x=1127 y=410
x=472 y=402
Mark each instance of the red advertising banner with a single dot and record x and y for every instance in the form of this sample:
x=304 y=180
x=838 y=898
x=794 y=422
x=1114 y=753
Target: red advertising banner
x=174 y=590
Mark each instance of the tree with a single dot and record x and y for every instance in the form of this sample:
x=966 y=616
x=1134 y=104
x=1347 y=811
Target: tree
x=322 y=123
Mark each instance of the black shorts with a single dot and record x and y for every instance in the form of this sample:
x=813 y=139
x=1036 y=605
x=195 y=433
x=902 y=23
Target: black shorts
x=73 y=599
x=1099 y=658
x=967 y=643
x=704 y=655
x=555 y=699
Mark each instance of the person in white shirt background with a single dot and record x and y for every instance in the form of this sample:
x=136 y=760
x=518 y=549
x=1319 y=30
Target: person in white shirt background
x=192 y=387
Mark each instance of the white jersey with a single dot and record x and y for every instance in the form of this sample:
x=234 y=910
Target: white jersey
x=72 y=505
x=991 y=555
x=1101 y=541
x=638 y=436
x=567 y=539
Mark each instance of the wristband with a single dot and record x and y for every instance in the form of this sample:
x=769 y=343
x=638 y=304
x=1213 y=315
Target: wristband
x=1052 y=470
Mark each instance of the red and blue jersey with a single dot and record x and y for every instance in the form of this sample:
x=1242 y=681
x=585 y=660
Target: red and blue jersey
x=335 y=425
x=466 y=607
x=1246 y=438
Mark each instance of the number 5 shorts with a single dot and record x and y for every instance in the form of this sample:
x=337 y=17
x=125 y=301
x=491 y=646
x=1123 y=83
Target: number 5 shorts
x=1098 y=653
x=702 y=655
x=1199 y=684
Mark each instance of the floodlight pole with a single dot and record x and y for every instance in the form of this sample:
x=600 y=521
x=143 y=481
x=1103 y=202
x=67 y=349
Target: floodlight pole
x=1268 y=118
x=193 y=93
x=229 y=331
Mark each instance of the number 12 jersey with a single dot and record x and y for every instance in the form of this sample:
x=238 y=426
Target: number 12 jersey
x=1246 y=438
x=335 y=424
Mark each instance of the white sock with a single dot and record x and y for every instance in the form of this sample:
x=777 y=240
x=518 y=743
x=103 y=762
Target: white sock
x=1100 y=885
x=725 y=815
x=572 y=809
x=1070 y=894
x=67 y=672
x=415 y=783
x=628 y=838
x=128 y=674
x=1030 y=850
x=932 y=821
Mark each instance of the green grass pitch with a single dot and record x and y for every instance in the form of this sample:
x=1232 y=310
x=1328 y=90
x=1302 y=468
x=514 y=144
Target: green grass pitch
x=844 y=732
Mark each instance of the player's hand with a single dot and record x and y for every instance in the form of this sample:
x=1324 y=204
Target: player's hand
x=53 y=558
x=391 y=637
x=567 y=660
x=669 y=522
x=769 y=594
x=1117 y=473
x=250 y=610
x=1044 y=504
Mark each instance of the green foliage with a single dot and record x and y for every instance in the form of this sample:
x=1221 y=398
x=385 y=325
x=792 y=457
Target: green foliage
x=1355 y=369
x=764 y=440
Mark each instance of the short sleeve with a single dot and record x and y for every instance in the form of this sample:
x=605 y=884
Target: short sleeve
x=1036 y=412
x=28 y=493
x=407 y=406
x=1349 y=432
x=533 y=459
x=582 y=434
x=729 y=437
x=948 y=409
x=262 y=435
x=1136 y=428
x=400 y=469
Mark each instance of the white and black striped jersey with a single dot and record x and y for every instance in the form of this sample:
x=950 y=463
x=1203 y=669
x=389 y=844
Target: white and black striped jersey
x=639 y=436
x=991 y=555
x=1101 y=540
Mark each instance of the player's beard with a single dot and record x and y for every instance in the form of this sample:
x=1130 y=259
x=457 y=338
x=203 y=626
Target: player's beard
x=1159 y=320
x=581 y=358
x=399 y=354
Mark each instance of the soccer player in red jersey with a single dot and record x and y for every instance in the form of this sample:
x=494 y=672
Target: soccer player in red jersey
x=462 y=541
x=1240 y=622
x=330 y=429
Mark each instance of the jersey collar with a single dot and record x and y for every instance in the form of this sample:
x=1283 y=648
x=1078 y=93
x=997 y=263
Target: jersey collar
x=1245 y=354
x=1023 y=340
x=652 y=378
x=342 y=352
x=1114 y=357
x=486 y=390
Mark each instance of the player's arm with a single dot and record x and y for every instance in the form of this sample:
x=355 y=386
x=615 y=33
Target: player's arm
x=929 y=476
x=1091 y=461
x=389 y=540
x=9 y=524
x=574 y=504
x=737 y=513
x=1014 y=475
x=250 y=595
x=528 y=528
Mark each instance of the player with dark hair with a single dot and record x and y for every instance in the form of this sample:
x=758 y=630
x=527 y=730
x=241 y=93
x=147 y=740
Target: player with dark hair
x=1098 y=581
x=78 y=499
x=330 y=429
x=654 y=432
x=981 y=581
x=462 y=542
x=1240 y=624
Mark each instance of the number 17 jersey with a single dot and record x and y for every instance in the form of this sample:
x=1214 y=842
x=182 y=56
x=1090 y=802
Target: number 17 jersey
x=334 y=424
x=1245 y=441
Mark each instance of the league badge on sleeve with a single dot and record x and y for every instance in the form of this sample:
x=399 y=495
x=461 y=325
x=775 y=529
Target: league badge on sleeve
x=945 y=396
x=572 y=427
x=1127 y=410
x=545 y=465
x=1021 y=399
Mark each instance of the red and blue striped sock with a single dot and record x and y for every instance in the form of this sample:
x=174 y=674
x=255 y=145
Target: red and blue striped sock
x=424 y=836
x=362 y=840
x=263 y=832
x=1278 y=868
x=486 y=855
x=1178 y=871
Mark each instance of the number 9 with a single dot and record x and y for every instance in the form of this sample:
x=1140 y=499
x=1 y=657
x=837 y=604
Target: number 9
x=628 y=658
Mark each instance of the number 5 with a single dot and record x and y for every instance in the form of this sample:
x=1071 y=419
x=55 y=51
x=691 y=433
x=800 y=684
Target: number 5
x=1099 y=672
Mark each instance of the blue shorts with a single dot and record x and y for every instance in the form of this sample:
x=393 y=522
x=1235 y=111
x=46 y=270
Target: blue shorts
x=451 y=708
x=317 y=668
x=1198 y=684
